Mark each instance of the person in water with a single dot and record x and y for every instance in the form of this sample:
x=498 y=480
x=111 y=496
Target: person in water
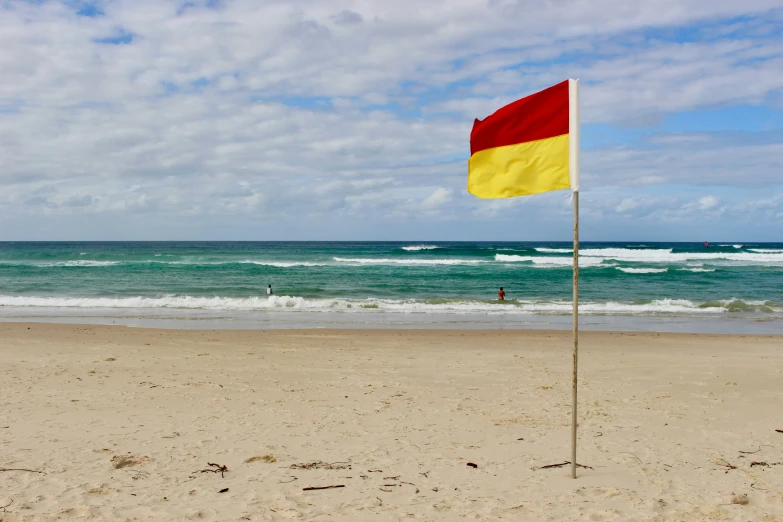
x=501 y=294
x=269 y=290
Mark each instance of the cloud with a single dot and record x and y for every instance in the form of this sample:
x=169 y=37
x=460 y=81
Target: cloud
x=439 y=197
x=346 y=17
x=79 y=201
x=347 y=112
x=708 y=202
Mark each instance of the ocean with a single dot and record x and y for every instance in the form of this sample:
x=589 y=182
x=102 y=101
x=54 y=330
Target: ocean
x=727 y=287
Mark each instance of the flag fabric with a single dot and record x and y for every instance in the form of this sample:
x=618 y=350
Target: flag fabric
x=523 y=148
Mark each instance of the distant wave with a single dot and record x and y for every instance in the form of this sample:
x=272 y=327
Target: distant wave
x=555 y=250
x=767 y=250
x=280 y=264
x=414 y=248
x=454 y=306
x=88 y=263
x=666 y=255
x=409 y=262
x=643 y=270
x=80 y=263
x=549 y=261
x=697 y=269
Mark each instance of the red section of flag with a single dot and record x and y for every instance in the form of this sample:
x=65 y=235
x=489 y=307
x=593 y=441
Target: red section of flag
x=536 y=117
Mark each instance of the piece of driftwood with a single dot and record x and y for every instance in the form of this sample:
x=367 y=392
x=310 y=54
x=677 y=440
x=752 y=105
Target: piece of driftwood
x=727 y=465
x=554 y=465
x=223 y=490
x=311 y=488
x=318 y=464
x=472 y=465
x=216 y=468
x=560 y=465
x=21 y=469
x=634 y=456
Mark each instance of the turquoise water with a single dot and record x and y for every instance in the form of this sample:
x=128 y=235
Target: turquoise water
x=384 y=281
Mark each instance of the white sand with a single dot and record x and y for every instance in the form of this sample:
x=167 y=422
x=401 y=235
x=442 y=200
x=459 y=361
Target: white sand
x=402 y=412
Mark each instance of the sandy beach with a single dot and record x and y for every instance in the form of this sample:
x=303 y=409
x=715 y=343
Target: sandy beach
x=118 y=423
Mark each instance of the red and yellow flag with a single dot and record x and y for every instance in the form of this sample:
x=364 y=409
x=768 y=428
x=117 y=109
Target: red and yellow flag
x=523 y=148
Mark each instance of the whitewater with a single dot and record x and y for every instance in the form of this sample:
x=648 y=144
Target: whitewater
x=451 y=284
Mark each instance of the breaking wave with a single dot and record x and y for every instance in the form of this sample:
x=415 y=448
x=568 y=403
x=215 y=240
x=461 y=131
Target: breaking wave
x=555 y=250
x=439 y=306
x=549 y=261
x=765 y=257
x=410 y=262
x=81 y=263
x=415 y=248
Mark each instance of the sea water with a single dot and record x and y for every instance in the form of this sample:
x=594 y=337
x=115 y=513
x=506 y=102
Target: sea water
x=726 y=287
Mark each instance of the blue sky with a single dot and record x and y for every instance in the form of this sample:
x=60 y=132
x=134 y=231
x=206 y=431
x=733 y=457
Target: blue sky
x=239 y=119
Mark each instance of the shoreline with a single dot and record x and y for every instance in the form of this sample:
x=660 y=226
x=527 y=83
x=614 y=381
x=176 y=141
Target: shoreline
x=413 y=329
x=282 y=320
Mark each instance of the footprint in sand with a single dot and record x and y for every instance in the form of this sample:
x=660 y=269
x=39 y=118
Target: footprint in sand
x=78 y=511
x=99 y=491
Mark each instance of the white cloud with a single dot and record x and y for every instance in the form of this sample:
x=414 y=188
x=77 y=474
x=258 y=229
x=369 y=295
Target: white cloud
x=262 y=109
x=708 y=202
x=439 y=197
x=627 y=204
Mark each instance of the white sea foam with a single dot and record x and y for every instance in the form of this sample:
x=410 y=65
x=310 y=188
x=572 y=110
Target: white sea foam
x=666 y=255
x=170 y=301
x=414 y=248
x=82 y=262
x=643 y=270
x=697 y=269
x=767 y=250
x=555 y=250
x=294 y=303
x=280 y=264
x=382 y=261
x=548 y=261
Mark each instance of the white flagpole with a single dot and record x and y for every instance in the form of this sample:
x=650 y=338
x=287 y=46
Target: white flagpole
x=573 y=166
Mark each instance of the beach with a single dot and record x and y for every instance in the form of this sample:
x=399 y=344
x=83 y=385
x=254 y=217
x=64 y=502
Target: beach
x=117 y=423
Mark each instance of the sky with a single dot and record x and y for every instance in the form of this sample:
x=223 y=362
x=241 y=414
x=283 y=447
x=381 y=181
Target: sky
x=350 y=120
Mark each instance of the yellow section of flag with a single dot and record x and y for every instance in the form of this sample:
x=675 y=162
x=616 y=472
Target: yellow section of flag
x=521 y=169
